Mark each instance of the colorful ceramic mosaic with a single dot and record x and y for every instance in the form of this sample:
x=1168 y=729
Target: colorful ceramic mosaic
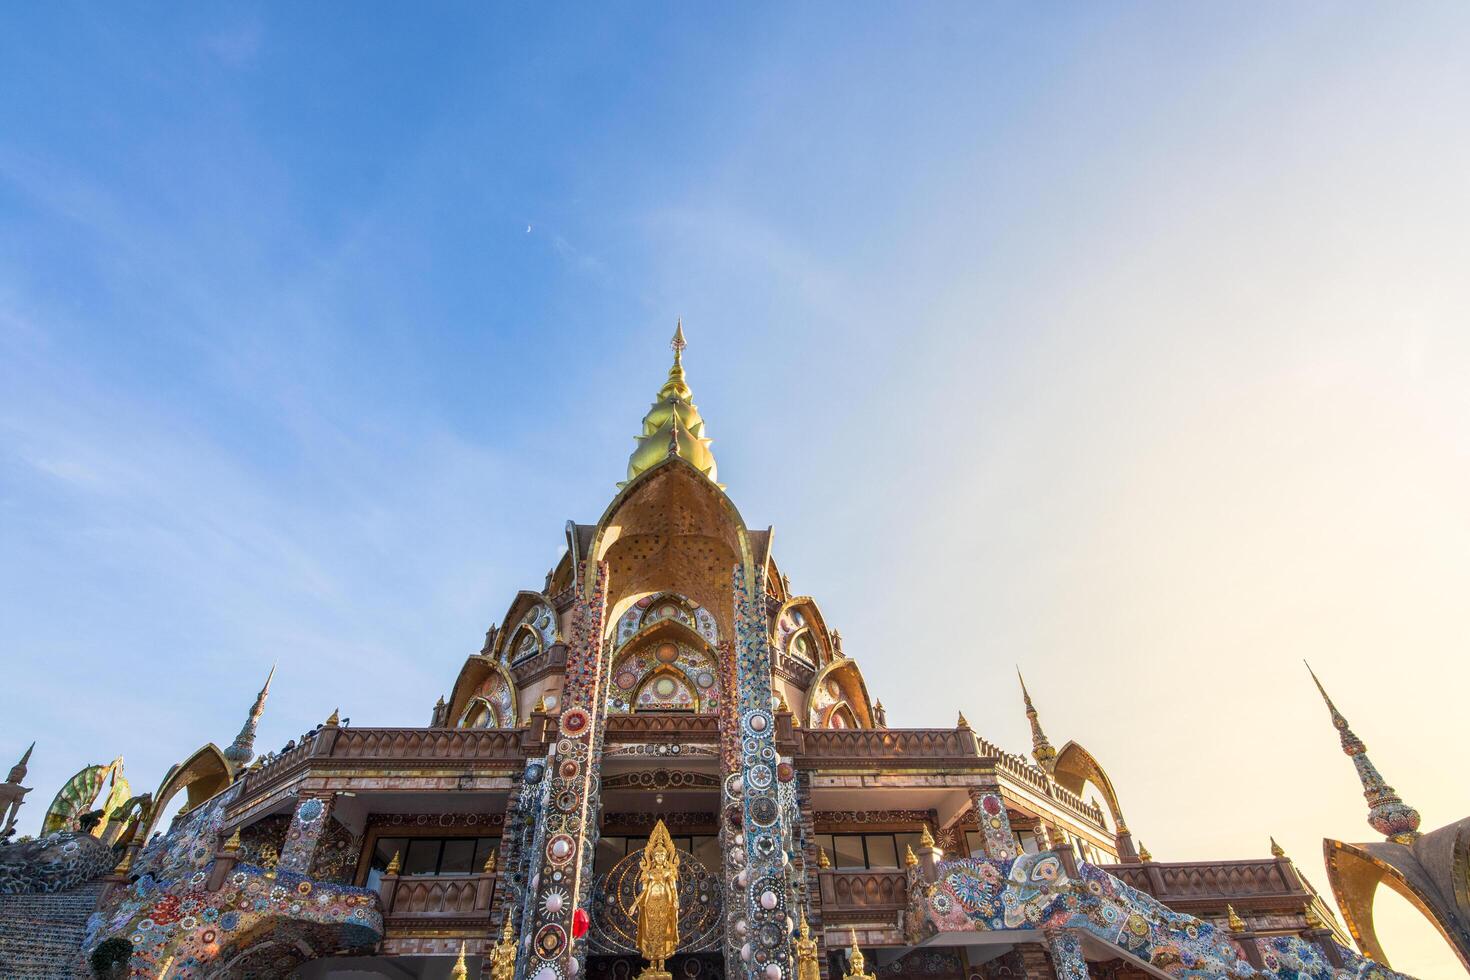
x=307 y=826
x=53 y=863
x=995 y=825
x=533 y=633
x=491 y=705
x=664 y=675
x=660 y=608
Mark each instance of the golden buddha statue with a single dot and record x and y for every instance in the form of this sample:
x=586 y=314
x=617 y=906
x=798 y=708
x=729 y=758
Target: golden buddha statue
x=856 y=962
x=806 y=954
x=503 y=953
x=657 y=903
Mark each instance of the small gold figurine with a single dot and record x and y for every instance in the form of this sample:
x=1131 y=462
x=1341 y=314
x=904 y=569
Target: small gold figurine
x=503 y=956
x=657 y=903
x=856 y=962
x=1235 y=922
x=806 y=954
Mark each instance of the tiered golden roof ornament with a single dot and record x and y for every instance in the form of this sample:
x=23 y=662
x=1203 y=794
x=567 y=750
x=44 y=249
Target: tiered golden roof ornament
x=673 y=426
x=1234 y=921
x=460 y=970
x=856 y=963
x=1041 y=750
x=1387 y=814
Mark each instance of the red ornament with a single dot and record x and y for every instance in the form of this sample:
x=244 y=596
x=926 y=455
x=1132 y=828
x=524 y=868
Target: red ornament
x=580 y=923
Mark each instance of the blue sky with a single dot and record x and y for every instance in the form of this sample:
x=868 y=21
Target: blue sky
x=1124 y=342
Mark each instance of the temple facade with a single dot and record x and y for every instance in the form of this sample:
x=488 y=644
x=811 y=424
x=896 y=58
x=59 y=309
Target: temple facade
x=664 y=675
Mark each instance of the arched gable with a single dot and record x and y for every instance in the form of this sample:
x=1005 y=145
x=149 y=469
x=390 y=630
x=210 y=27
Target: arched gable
x=669 y=649
x=531 y=626
x=1355 y=874
x=839 y=683
x=489 y=680
x=671 y=527
x=645 y=613
x=801 y=617
x=202 y=775
x=1075 y=766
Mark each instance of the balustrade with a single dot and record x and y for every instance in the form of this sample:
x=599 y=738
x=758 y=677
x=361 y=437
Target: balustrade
x=850 y=895
x=458 y=897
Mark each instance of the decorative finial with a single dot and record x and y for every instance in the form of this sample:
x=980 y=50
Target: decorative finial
x=1041 y=749
x=440 y=702
x=510 y=926
x=678 y=344
x=1143 y=854
x=1277 y=851
x=962 y=723
x=394 y=864
x=1312 y=919
x=540 y=707
x=18 y=771
x=332 y=720
x=926 y=839
x=489 y=867
x=909 y=858
x=460 y=971
x=1235 y=922
x=822 y=860
x=242 y=749
x=233 y=844
x=673 y=425
x=1387 y=814
x=781 y=704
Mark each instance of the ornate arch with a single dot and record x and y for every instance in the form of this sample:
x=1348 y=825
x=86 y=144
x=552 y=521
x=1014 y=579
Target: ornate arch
x=666 y=647
x=488 y=680
x=839 y=681
x=1355 y=875
x=798 y=615
x=645 y=614
x=681 y=695
x=202 y=775
x=840 y=715
x=1075 y=766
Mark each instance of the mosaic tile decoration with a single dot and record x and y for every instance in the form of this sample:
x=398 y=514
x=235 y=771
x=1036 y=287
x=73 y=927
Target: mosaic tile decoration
x=307 y=825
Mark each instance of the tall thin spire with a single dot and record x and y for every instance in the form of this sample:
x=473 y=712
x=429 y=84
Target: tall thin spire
x=673 y=426
x=242 y=749
x=18 y=771
x=1041 y=750
x=1387 y=814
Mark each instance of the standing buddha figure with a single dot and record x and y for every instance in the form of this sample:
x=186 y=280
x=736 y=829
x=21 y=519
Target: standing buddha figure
x=806 y=954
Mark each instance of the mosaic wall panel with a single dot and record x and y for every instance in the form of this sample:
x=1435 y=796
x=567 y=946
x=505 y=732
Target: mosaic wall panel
x=539 y=633
x=53 y=863
x=307 y=826
x=497 y=710
x=664 y=675
x=665 y=606
x=995 y=825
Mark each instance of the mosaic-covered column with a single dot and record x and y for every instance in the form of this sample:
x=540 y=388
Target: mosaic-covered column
x=305 y=833
x=566 y=837
x=1067 y=961
x=995 y=825
x=762 y=791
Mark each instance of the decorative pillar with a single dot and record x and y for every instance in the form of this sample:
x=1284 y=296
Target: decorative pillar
x=995 y=825
x=1067 y=961
x=566 y=835
x=307 y=824
x=758 y=790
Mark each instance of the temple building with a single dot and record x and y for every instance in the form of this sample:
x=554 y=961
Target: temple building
x=665 y=732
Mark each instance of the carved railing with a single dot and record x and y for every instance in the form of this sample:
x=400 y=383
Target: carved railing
x=663 y=727
x=884 y=746
x=1248 y=883
x=459 y=897
x=853 y=895
x=336 y=747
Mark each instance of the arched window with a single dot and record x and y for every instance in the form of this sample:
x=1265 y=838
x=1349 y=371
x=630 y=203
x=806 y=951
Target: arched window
x=666 y=689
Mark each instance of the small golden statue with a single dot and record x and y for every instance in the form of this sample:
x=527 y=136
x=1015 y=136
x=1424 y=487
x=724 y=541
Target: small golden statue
x=806 y=954
x=856 y=962
x=657 y=903
x=503 y=954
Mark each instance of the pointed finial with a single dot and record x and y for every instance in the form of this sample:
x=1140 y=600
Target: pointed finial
x=394 y=865
x=822 y=860
x=440 y=702
x=242 y=749
x=962 y=723
x=1387 y=813
x=332 y=720
x=1277 y=851
x=781 y=704
x=490 y=859
x=1143 y=854
x=1236 y=923
x=1041 y=749
x=806 y=930
x=540 y=707
x=678 y=344
x=233 y=844
x=855 y=960
x=926 y=839
x=673 y=425
x=460 y=971
x=910 y=859
x=1313 y=920
x=18 y=771
x=510 y=926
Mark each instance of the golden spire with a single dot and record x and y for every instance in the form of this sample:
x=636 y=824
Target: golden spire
x=1277 y=851
x=460 y=971
x=962 y=723
x=909 y=859
x=1041 y=750
x=1143 y=854
x=332 y=720
x=926 y=839
x=394 y=864
x=1236 y=923
x=673 y=426
x=489 y=867
x=1387 y=814
x=823 y=861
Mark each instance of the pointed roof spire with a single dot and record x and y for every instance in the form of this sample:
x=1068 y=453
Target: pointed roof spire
x=242 y=749
x=1041 y=750
x=18 y=771
x=673 y=426
x=1387 y=814
x=460 y=970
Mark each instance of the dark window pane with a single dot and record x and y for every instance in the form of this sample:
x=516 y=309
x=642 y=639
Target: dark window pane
x=881 y=853
x=459 y=856
x=848 y=850
x=385 y=849
x=422 y=857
